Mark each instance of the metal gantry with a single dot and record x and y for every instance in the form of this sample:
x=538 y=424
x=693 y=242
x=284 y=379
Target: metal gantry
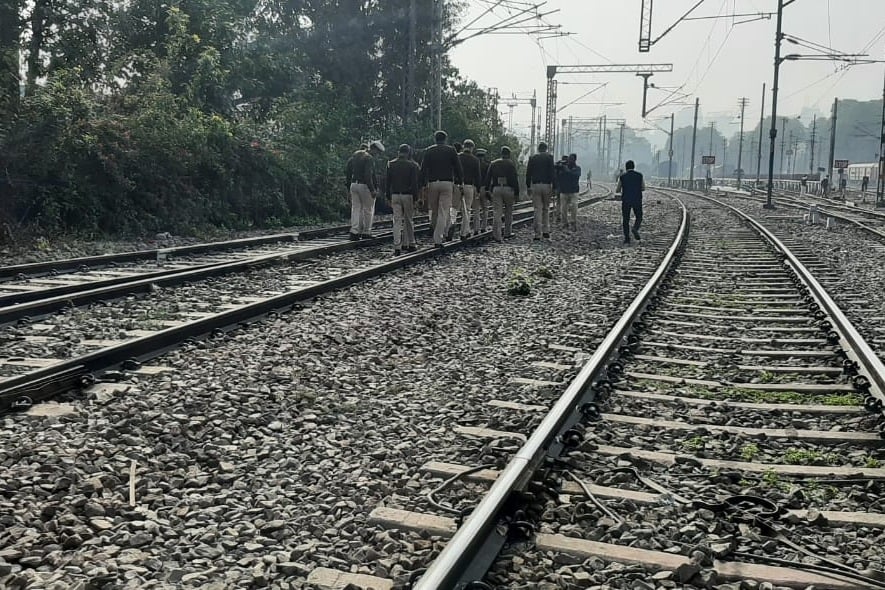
x=644 y=70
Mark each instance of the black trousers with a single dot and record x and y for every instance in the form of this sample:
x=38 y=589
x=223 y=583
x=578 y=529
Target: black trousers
x=626 y=207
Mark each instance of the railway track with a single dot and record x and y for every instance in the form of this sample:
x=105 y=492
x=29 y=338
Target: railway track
x=725 y=434
x=42 y=359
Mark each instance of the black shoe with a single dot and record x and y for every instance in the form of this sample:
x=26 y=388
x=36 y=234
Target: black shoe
x=411 y=248
x=438 y=246
x=366 y=236
x=509 y=236
x=450 y=235
x=353 y=237
x=636 y=235
x=397 y=252
x=536 y=239
x=627 y=240
x=547 y=236
x=465 y=238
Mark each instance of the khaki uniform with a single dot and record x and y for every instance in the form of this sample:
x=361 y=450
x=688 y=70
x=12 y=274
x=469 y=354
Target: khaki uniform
x=402 y=192
x=361 y=183
x=502 y=181
x=472 y=181
x=483 y=201
x=540 y=177
x=440 y=172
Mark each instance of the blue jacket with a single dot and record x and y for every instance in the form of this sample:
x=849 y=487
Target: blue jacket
x=569 y=180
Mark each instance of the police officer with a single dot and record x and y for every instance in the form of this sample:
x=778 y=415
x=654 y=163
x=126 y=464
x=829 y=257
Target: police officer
x=361 y=183
x=472 y=182
x=402 y=192
x=482 y=204
x=540 y=180
x=440 y=172
x=631 y=184
x=503 y=183
x=569 y=182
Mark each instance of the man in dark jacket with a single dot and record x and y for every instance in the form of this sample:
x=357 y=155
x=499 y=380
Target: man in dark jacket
x=483 y=202
x=440 y=172
x=470 y=192
x=569 y=182
x=503 y=182
x=631 y=184
x=540 y=181
x=402 y=192
x=361 y=183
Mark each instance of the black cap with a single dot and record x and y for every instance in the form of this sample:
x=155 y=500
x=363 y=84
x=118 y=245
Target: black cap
x=440 y=135
x=405 y=148
x=505 y=151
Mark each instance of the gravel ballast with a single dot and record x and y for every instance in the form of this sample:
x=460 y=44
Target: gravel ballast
x=258 y=456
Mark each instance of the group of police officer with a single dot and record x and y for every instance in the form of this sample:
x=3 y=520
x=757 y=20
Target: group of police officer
x=459 y=178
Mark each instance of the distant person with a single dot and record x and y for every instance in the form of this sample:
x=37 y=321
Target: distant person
x=631 y=185
x=540 y=181
x=804 y=185
x=440 y=172
x=470 y=193
x=557 y=213
x=402 y=192
x=569 y=182
x=361 y=184
x=824 y=186
x=864 y=184
x=502 y=182
x=843 y=185
x=589 y=180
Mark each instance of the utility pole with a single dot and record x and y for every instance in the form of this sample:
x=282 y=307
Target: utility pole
x=724 y=158
x=743 y=103
x=621 y=147
x=783 y=143
x=608 y=149
x=410 y=76
x=436 y=65
x=534 y=103
x=694 y=138
x=670 y=153
x=813 y=139
x=833 y=140
x=790 y=154
x=880 y=186
x=777 y=70
x=761 y=124
x=710 y=151
x=569 y=148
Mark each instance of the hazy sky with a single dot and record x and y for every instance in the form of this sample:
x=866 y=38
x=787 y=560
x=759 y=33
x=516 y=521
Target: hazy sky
x=712 y=59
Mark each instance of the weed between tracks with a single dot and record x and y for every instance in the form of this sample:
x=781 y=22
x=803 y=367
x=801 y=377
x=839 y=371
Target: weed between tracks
x=740 y=394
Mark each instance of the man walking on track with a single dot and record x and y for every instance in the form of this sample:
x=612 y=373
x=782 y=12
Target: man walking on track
x=569 y=182
x=631 y=184
x=440 y=172
x=470 y=192
x=402 y=192
x=361 y=183
x=483 y=202
x=539 y=179
x=502 y=181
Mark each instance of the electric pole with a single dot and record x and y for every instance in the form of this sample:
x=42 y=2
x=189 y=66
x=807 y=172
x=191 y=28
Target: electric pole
x=711 y=152
x=724 y=158
x=436 y=65
x=410 y=76
x=813 y=139
x=743 y=103
x=761 y=124
x=670 y=153
x=880 y=186
x=833 y=140
x=790 y=155
x=778 y=38
x=621 y=147
x=694 y=138
x=783 y=143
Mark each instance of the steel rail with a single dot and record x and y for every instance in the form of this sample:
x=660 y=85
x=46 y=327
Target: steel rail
x=15 y=307
x=47 y=267
x=44 y=383
x=456 y=566
x=852 y=342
